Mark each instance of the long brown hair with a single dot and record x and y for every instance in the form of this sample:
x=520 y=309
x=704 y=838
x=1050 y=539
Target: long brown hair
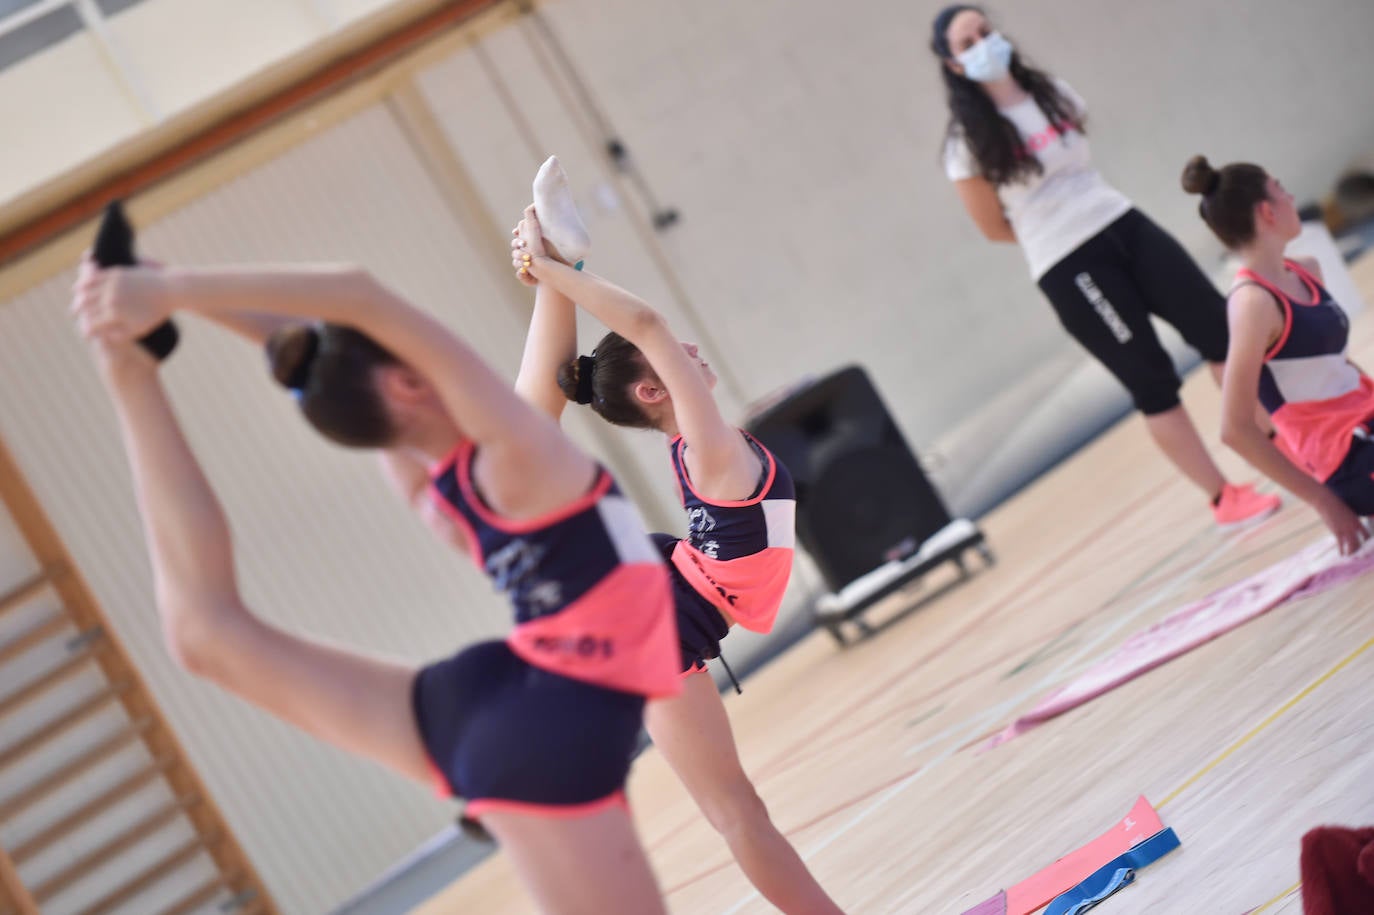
x=997 y=147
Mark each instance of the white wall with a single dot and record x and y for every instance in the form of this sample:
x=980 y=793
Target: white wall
x=800 y=141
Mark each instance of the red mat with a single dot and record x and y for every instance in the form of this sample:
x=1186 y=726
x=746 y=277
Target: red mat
x=1311 y=571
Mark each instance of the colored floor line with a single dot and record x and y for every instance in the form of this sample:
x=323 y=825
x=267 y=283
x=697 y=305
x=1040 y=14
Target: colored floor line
x=975 y=721
x=802 y=749
x=899 y=783
x=1268 y=720
x=799 y=827
x=1039 y=654
x=1016 y=596
x=1306 y=529
x=1255 y=732
x=904 y=781
x=1066 y=671
x=1139 y=581
x=978 y=720
x=1277 y=899
x=926 y=715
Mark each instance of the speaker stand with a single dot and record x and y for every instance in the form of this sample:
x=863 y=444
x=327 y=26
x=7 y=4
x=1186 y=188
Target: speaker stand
x=950 y=544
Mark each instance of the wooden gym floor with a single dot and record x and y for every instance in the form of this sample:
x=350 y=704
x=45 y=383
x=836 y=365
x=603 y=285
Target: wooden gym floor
x=864 y=758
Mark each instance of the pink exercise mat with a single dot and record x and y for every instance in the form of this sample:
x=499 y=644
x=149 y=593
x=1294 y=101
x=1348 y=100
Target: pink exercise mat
x=1315 y=569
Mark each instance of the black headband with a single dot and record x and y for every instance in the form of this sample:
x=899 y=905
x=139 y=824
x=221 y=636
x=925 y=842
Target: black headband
x=586 y=367
x=1212 y=184
x=300 y=375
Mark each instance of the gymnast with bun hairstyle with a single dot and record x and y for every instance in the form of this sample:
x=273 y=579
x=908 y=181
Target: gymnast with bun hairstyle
x=734 y=563
x=1288 y=341
x=536 y=731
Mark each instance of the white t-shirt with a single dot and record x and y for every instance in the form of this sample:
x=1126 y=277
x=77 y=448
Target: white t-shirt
x=1058 y=210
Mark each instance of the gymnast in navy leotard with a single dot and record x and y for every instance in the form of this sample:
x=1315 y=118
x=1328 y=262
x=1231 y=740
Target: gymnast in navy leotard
x=734 y=563
x=569 y=683
x=536 y=731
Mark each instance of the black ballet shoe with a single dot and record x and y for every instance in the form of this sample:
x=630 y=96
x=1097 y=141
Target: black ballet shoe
x=114 y=247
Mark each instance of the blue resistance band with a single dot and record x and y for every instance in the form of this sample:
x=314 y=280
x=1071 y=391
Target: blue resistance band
x=1113 y=876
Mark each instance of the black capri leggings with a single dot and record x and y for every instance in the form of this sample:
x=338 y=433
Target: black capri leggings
x=1106 y=289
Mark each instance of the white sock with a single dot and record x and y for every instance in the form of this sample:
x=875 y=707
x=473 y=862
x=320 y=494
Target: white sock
x=558 y=217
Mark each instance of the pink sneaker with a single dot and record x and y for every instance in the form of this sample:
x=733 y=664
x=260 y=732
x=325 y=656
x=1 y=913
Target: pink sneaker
x=1240 y=505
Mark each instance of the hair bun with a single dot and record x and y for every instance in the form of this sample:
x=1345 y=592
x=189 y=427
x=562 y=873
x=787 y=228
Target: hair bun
x=1199 y=177
x=291 y=353
x=575 y=379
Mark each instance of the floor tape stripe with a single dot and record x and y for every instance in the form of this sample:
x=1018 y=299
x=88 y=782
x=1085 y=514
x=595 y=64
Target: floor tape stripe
x=1277 y=899
x=1269 y=720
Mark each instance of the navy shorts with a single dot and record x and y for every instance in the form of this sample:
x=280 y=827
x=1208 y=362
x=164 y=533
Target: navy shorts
x=1353 y=481
x=506 y=735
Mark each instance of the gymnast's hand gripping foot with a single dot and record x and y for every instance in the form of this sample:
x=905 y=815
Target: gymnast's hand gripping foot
x=642 y=376
x=538 y=738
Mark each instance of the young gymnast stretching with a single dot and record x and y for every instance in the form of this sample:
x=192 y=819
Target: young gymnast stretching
x=1288 y=341
x=733 y=565
x=537 y=731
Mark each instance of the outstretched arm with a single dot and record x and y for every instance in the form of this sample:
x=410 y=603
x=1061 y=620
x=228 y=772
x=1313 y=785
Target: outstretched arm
x=1254 y=325
x=255 y=328
x=719 y=451
x=552 y=338
x=523 y=443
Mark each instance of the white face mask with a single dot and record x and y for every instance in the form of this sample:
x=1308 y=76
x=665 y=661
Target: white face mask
x=987 y=61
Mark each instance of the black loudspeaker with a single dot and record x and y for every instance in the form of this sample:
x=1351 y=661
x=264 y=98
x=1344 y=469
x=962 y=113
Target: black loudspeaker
x=862 y=499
